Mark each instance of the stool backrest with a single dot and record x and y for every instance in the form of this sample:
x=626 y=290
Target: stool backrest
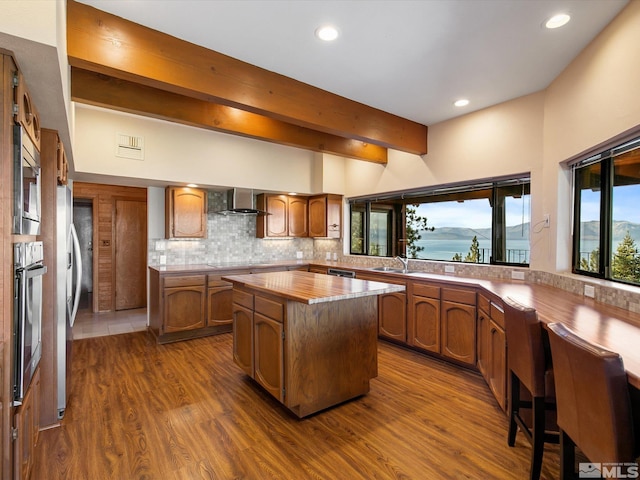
x=525 y=349
x=592 y=395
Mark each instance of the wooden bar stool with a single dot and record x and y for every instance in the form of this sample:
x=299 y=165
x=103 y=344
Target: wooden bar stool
x=529 y=367
x=594 y=405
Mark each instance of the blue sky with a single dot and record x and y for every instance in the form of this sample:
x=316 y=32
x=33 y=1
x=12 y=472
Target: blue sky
x=625 y=204
x=471 y=213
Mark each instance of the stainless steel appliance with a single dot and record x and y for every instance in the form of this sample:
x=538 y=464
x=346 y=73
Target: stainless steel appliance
x=26 y=178
x=68 y=283
x=27 y=330
x=336 y=272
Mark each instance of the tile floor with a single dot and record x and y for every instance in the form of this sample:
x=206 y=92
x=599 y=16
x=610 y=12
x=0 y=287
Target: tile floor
x=88 y=324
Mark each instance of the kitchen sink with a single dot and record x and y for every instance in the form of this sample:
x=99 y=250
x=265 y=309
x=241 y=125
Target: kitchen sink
x=388 y=269
x=393 y=270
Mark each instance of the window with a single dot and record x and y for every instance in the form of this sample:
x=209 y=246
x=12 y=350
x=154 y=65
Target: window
x=606 y=216
x=482 y=223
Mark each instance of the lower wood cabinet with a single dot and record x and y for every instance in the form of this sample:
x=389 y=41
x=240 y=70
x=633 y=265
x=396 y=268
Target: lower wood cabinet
x=184 y=300
x=458 y=323
x=392 y=314
x=423 y=319
x=189 y=306
x=268 y=348
x=392 y=309
x=243 y=331
x=27 y=425
x=492 y=350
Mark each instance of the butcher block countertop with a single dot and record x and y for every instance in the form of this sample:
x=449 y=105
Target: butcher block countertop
x=310 y=288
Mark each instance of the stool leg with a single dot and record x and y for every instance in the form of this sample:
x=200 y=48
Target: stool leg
x=537 y=434
x=514 y=406
x=567 y=457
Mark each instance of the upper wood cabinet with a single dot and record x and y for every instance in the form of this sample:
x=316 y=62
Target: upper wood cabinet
x=287 y=216
x=62 y=164
x=185 y=212
x=26 y=113
x=325 y=216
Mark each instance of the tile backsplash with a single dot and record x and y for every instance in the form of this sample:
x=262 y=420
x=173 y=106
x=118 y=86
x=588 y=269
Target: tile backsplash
x=232 y=238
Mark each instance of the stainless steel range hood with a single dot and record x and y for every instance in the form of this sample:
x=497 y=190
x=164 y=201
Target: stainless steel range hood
x=241 y=201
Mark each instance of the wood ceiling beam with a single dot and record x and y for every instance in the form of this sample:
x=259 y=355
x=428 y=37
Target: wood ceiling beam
x=103 y=43
x=100 y=90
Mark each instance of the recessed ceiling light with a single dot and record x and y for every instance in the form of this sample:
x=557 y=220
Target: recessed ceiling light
x=558 y=21
x=463 y=102
x=328 y=33
x=192 y=185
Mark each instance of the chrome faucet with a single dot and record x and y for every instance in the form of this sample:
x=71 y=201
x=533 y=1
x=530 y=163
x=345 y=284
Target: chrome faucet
x=405 y=263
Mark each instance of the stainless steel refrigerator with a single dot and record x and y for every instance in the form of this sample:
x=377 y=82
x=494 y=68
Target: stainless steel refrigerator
x=68 y=282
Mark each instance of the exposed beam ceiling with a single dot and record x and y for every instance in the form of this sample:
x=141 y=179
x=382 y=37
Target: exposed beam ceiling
x=104 y=91
x=163 y=68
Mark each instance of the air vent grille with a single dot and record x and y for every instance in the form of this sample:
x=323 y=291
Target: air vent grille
x=129 y=146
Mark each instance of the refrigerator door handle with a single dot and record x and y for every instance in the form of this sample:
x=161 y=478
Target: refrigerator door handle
x=77 y=265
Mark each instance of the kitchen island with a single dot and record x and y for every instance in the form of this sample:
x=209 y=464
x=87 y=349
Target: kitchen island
x=310 y=340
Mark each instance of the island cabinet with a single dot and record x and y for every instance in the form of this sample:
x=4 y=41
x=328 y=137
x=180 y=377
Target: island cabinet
x=185 y=212
x=325 y=216
x=309 y=340
x=492 y=349
x=287 y=216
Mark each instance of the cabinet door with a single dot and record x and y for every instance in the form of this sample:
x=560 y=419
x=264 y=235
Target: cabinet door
x=318 y=216
x=243 y=338
x=187 y=213
x=424 y=327
x=483 y=343
x=334 y=216
x=220 y=306
x=392 y=313
x=184 y=308
x=268 y=355
x=278 y=219
x=298 y=226
x=497 y=376
x=459 y=332
x=25 y=421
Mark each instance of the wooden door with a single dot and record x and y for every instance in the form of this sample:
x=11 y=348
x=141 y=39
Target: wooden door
x=318 y=216
x=392 y=310
x=498 y=364
x=184 y=308
x=334 y=216
x=458 y=325
x=424 y=328
x=243 y=338
x=269 y=355
x=131 y=254
x=187 y=213
x=220 y=305
x=483 y=343
x=298 y=226
x=277 y=220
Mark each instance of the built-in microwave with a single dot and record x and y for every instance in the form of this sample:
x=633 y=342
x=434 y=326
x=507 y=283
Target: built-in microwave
x=26 y=186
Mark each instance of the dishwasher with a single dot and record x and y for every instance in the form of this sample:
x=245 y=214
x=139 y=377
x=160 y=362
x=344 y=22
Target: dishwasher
x=336 y=272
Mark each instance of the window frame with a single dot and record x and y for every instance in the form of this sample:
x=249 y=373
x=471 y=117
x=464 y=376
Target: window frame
x=606 y=160
x=481 y=189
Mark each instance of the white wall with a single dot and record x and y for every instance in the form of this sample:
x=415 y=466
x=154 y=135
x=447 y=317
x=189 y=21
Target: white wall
x=181 y=154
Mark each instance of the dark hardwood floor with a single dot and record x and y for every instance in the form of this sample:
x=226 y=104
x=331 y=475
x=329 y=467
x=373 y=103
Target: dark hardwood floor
x=139 y=410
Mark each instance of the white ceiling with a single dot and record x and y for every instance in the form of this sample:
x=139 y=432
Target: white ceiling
x=409 y=58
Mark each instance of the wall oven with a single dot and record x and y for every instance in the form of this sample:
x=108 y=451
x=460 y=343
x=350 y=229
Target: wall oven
x=26 y=184
x=27 y=316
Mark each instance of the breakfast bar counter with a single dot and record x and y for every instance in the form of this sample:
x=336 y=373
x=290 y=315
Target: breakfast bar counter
x=310 y=340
